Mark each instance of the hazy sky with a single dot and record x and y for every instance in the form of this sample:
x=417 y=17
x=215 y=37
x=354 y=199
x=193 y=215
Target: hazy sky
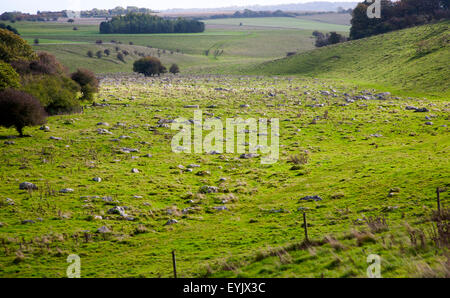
x=34 y=5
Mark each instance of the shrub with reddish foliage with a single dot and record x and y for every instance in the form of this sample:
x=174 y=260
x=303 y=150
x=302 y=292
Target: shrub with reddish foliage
x=19 y=109
x=44 y=64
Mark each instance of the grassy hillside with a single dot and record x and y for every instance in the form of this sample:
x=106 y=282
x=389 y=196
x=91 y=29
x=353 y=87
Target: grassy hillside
x=240 y=46
x=411 y=61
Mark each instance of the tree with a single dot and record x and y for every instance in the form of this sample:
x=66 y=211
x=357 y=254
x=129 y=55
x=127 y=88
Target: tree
x=90 y=54
x=107 y=52
x=36 y=41
x=70 y=20
x=8 y=27
x=9 y=78
x=335 y=38
x=19 y=109
x=148 y=66
x=13 y=47
x=88 y=82
x=99 y=54
x=121 y=57
x=174 y=69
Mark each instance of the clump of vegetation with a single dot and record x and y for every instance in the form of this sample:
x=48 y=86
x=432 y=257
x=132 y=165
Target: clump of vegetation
x=88 y=82
x=19 y=109
x=134 y=23
x=121 y=57
x=45 y=63
x=12 y=47
x=9 y=78
x=323 y=40
x=396 y=15
x=58 y=94
x=90 y=54
x=9 y=27
x=149 y=66
x=174 y=69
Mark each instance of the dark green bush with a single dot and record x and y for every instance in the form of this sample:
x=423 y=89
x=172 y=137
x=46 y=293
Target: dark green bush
x=19 y=109
x=88 y=82
x=149 y=66
x=58 y=94
x=174 y=69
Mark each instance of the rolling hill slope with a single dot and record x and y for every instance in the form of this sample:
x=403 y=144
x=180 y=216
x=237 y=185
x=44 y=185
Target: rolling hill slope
x=410 y=61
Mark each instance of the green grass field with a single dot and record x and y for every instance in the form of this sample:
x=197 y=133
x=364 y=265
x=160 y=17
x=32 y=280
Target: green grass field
x=292 y=23
x=347 y=165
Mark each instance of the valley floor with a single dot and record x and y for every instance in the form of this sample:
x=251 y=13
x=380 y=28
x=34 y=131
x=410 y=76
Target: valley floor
x=373 y=160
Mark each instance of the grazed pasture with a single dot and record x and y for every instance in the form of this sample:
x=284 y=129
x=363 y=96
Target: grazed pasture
x=375 y=161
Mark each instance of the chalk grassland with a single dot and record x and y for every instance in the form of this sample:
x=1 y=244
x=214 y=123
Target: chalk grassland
x=365 y=158
x=412 y=61
x=241 y=46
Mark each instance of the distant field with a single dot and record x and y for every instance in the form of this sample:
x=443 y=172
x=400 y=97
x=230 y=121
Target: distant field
x=240 y=46
x=332 y=18
x=291 y=23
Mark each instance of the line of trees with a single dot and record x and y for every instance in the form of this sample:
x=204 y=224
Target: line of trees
x=134 y=23
x=396 y=15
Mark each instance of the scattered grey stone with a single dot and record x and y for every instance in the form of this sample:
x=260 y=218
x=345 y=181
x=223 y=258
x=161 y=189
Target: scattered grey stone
x=44 y=128
x=428 y=123
x=27 y=186
x=248 y=155
x=28 y=221
x=103 y=230
x=55 y=138
x=97 y=179
x=10 y=202
x=171 y=222
x=117 y=210
x=220 y=208
x=135 y=171
x=191 y=107
x=66 y=190
x=102 y=131
x=9 y=142
x=311 y=198
x=209 y=189
x=103 y=124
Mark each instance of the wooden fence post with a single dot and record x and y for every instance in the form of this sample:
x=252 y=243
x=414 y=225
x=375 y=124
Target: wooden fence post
x=174 y=261
x=438 y=200
x=305 y=225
